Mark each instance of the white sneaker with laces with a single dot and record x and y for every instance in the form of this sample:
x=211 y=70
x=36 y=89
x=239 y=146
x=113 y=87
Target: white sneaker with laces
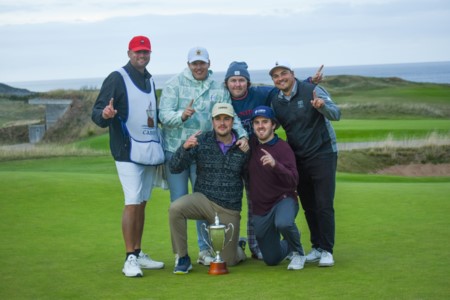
x=145 y=262
x=313 y=256
x=131 y=267
x=205 y=257
x=326 y=260
x=297 y=261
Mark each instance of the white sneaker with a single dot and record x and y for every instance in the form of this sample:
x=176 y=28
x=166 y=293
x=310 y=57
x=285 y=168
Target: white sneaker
x=205 y=257
x=326 y=260
x=145 y=262
x=297 y=261
x=131 y=267
x=258 y=256
x=241 y=254
x=313 y=255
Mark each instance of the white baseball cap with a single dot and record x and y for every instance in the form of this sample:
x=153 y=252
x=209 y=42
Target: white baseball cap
x=281 y=64
x=198 y=53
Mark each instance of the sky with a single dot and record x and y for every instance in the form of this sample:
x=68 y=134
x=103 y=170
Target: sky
x=58 y=39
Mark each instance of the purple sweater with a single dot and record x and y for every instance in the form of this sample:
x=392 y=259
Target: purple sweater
x=267 y=185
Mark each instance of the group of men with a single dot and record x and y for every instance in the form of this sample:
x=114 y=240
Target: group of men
x=242 y=149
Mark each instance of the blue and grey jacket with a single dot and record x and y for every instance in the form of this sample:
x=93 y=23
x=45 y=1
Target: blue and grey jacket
x=308 y=130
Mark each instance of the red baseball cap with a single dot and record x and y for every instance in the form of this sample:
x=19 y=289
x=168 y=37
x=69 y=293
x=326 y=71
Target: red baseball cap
x=140 y=43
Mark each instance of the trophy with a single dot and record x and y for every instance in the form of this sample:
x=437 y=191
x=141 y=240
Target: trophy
x=217 y=241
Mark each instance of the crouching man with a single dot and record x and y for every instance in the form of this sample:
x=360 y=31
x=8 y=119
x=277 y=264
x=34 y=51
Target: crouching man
x=218 y=188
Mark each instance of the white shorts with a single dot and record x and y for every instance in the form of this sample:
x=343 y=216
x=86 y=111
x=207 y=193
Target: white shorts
x=136 y=180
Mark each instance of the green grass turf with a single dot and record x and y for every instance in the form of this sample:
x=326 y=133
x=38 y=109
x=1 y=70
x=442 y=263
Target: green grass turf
x=61 y=239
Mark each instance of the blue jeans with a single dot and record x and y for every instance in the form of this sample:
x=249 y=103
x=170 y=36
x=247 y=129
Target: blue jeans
x=178 y=186
x=278 y=222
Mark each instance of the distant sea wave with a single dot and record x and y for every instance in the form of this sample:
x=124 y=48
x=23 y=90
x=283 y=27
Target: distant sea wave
x=435 y=72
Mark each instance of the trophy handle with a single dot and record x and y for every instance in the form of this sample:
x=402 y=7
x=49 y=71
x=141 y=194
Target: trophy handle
x=230 y=225
x=205 y=229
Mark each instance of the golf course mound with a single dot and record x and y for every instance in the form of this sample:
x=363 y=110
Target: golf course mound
x=417 y=170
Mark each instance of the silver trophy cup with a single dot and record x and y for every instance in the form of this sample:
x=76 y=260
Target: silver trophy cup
x=217 y=242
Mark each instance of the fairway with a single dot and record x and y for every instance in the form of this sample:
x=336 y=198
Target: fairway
x=61 y=239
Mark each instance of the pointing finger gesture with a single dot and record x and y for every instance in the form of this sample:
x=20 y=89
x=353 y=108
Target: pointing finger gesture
x=109 y=112
x=267 y=159
x=317 y=102
x=192 y=141
x=317 y=78
x=188 y=111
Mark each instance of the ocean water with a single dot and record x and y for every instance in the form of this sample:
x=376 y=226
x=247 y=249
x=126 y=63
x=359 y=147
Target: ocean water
x=435 y=72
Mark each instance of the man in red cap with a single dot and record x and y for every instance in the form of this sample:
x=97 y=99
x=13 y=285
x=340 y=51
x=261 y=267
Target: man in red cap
x=127 y=105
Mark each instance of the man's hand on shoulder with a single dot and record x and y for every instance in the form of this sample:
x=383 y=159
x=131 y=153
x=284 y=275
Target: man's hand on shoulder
x=243 y=144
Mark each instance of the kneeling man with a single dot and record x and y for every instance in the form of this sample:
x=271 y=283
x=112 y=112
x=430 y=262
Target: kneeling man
x=218 y=188
x=273 y=179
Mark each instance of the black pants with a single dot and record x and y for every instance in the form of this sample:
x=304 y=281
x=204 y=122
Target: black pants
x=317 y=184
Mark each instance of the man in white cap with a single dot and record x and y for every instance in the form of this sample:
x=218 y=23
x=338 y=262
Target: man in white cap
x=185 y=107
x=305 y=110
x=218 y=187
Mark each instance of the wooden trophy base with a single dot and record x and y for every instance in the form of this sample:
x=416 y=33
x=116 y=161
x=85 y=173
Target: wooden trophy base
x=218 y=268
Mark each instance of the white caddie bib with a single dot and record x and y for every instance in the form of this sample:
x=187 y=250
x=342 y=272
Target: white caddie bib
x=142 y=124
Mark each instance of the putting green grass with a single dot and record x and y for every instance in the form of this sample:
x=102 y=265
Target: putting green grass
x=61 y=239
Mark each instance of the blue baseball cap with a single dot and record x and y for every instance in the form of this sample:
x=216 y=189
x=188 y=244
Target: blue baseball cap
x=265 y=112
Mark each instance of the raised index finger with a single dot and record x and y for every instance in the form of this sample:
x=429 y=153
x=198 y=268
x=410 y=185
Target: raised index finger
x=111 y=103
x=320 y=69
x=190 y=103
x=265 y=152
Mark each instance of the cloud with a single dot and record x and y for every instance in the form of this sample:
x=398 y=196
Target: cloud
x=336 y=33
x=33 y=12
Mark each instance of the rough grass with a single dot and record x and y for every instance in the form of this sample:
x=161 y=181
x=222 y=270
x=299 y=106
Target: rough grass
x=21 y=152
x=388 y=98
x=19 y=112
x=374 y=159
